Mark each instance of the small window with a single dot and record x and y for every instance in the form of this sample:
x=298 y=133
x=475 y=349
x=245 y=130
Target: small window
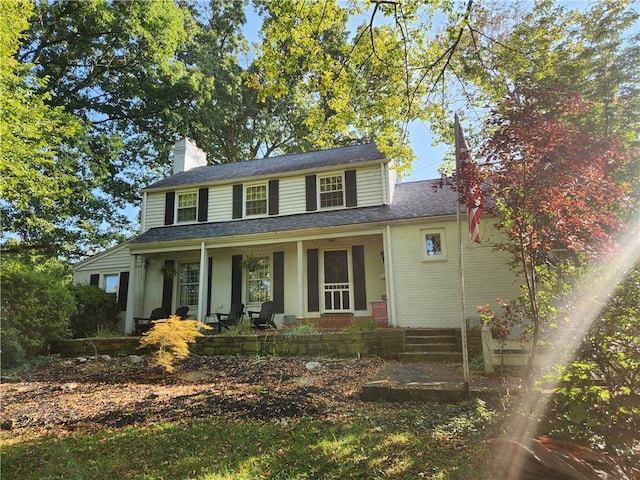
x=188 y=284
x=259 y=281
x=331 y=191
x=187 y=209
x=111 y=283
x=433 y=245
x=256 y=200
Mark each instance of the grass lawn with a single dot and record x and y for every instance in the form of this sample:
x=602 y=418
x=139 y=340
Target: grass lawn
x=400 y=441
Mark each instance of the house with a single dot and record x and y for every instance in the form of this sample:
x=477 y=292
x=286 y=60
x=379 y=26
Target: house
x=322 y=234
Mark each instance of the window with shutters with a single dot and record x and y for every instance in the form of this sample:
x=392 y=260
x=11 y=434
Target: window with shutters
x=259 y=280
x=188 y=282
x=331 y=191
x=111 y=283
x=255 y=202
x=187 y=207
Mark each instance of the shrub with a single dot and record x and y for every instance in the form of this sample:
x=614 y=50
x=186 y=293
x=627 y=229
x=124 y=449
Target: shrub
x=35 y=309
x=97 y=311
x=170 y=339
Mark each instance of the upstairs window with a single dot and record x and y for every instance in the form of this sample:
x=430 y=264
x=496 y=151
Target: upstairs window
x=256 y=200
x=187 y=209
x=331 y=191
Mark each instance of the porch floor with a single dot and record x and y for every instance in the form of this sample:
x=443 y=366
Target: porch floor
x=433 y=382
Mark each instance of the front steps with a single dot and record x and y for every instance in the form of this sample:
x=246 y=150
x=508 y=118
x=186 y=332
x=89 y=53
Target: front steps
x=431 y=345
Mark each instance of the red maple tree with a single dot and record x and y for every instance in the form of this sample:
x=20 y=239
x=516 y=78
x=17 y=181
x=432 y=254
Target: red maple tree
x=556 y=188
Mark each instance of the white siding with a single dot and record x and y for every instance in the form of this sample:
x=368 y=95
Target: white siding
x=220 y=203
x=369 y=186
x=154 y=214
x=114 y=260
x=292 y=195
x=428 y=291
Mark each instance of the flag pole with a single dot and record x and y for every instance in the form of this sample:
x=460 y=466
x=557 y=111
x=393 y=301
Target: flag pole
x=465 y=353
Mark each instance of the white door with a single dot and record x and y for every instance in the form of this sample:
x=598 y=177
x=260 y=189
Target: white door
x=336 y=281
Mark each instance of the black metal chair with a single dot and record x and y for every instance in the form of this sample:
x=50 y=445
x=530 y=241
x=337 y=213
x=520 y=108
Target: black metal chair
x=182 y=312
x=231 y=319
x=144 y=324
x=264 y=318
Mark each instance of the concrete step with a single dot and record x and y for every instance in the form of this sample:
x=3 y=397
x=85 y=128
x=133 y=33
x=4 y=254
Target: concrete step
x=430 y=340
x=431 y=332
x=449 y=357
x=435 y=347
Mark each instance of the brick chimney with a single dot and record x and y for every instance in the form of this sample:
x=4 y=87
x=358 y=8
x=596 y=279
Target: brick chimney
x=187 y=155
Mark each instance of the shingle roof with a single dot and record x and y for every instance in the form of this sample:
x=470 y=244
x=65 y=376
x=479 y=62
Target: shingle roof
x=273 y=165
x=412 y=200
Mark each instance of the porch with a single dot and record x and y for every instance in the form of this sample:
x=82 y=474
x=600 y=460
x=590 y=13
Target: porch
x=326 y=279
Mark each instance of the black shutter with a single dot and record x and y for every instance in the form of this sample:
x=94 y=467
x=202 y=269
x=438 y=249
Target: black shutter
x=94 y=279
x=167 y=287
x=274 y=197
x=312 y=194
x=237 y=201
x=169 y=207
x=203 y=204
x=209 y=284
x=278 y=282
x=313 y=298
x=123 y=290
x=359 y=286
x=236 y=279
x=351 y=190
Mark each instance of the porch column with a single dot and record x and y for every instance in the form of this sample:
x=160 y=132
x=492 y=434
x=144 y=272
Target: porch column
x=390 y=284
x=131 y=295
x=202 y=285
x=300 y=252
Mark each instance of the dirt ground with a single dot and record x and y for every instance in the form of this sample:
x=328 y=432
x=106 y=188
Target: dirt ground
x=114 y=392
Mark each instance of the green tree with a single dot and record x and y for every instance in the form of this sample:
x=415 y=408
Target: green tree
x=100 y=79
x=37 y=183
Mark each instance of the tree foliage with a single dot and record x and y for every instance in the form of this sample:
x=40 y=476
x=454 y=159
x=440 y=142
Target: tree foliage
x=555 y=190
x=598 y=394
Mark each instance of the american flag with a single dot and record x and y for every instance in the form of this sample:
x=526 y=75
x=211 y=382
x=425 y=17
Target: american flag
x=468 y=185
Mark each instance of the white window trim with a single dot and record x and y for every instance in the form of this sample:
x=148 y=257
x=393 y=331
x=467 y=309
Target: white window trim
x=188 y=192
x=443 y=244
x=246 y=282
x=244 y=199
x=177 y=284
x=104 y=281
x=318 y=189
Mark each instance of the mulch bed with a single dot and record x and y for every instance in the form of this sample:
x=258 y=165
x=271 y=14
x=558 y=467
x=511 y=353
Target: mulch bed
x=113 y=392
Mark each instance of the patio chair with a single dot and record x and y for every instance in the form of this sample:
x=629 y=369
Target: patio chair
x=182 y=312
x=145 y=324
x=264 y=318
x=226 y=320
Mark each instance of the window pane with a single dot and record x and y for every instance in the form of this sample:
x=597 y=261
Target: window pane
x=188 y=280
x=256 y=200
x=259 y=281
x=187 y=206
x=111 y=283
x=331 y=191
x=433 y=244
